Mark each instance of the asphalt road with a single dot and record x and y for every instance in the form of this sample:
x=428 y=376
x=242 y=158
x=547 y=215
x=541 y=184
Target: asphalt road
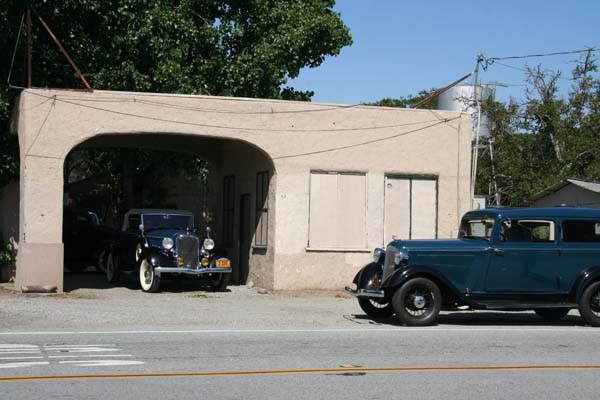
x=290 y=347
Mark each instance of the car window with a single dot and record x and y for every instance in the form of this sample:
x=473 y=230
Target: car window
x=582 y=231
x=479 y=228
x=133 y=222
x=527 y=231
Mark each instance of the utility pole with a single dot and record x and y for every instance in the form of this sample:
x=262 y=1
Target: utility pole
x=29 y=46
x=475 y=151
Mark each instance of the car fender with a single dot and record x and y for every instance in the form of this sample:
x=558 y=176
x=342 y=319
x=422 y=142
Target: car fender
x=157 y=257
x=401 y=275
x=368 y=275
x=587 y=276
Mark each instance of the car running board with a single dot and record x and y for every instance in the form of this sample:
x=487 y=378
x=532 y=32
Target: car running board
x=513 y=305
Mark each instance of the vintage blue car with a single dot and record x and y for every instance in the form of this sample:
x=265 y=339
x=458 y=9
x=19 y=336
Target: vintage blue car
x=158 y=242
x=510 y=259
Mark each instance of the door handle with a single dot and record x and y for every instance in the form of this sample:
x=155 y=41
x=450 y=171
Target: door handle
x=498 y=252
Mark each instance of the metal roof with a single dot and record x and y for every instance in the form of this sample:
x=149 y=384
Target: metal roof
x=587 y=185
x=537 y=212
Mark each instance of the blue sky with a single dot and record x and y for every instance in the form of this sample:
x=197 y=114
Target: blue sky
x=402 y=47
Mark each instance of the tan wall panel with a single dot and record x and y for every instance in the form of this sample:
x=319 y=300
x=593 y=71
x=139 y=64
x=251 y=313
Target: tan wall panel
x=323 y=202
x=397 y=209
x=351 y=212
x=424 y=209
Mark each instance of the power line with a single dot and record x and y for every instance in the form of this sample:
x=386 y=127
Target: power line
x=365 y=143
x=490 y=60
x=232 y=127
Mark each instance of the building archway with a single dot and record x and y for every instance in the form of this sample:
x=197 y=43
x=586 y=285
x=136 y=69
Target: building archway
x=330 y=161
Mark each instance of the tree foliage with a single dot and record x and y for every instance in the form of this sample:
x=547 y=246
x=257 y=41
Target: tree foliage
x=545 y=138
x=540 y=140
x=246 y=48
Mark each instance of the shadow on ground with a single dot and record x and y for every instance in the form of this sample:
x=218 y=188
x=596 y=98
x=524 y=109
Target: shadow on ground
x=92 y=279
x=484 y=318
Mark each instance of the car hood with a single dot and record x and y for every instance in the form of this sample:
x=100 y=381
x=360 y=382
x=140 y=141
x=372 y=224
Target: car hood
x=156 y=236
x=439 y=244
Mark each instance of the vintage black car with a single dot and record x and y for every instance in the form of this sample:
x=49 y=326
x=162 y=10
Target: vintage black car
x=545 y=259
x=155 y=243
x=85 y=239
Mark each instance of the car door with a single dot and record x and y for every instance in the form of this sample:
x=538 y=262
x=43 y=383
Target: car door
x=525 y=258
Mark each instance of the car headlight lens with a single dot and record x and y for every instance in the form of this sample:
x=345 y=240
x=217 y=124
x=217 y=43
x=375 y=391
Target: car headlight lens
x=209 y=244
x=400 y=256
x=167 y=243
x=377 y=253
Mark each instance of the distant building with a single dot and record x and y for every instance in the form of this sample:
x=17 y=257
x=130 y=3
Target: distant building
x=569 y=192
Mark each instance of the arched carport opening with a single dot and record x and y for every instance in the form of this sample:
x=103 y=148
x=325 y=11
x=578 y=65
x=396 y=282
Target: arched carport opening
x=227 y=188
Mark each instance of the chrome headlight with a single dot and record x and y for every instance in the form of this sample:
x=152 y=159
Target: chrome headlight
x=378 y=253
x=400 y=256
x=208 y=244
x=167 y=243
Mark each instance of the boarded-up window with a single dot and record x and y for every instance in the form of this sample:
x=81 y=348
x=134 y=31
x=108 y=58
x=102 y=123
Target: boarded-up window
x=262 y=211
x=228 y=209
x=337 y=210
x=410 y=208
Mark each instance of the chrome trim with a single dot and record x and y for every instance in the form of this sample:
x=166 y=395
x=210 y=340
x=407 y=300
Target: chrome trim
x=190 y=271
x=366 y=292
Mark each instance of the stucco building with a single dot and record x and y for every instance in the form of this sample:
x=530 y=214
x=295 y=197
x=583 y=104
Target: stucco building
x=303 y=191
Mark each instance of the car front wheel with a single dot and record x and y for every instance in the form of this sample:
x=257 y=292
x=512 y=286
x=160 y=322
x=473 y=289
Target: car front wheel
x=417 y=302
x=374 y=309
x=589 y=304
x=149 y=280
x=218 y=282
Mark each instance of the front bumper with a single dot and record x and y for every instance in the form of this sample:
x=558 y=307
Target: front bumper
x=191 y=271
x=211 y=269
x=366 y=292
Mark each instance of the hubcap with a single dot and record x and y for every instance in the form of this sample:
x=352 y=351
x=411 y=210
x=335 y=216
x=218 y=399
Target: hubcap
x=419 y=302
x=146 y=274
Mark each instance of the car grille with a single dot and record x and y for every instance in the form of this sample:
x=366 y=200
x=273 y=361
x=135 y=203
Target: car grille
x=187 y=250
x=388 y=263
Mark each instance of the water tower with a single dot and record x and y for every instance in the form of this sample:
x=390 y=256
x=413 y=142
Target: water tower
x=463 y=98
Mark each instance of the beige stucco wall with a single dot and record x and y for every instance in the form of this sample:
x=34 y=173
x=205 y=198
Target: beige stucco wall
x=297 y=137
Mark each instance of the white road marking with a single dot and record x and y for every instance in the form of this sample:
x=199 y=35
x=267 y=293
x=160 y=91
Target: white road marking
x=19 y=358
x=59 y=346
x=101 y=363
x=20 y=352
x=24 y=364
x=81 y=350
x=93 y=355
x=399 y=330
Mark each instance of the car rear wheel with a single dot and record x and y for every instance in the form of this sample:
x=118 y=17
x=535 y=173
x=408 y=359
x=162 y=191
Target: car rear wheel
x=589 y=304
x=149 y=280
x=375 y=309
x=112 y=267
x=552 y=314
x=417 y=302
x=101 y=261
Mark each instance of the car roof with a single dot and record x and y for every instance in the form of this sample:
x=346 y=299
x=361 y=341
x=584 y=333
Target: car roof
x=158 y=211
x=540 y=212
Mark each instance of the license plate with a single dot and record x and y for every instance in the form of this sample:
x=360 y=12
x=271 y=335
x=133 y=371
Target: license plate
x=223 y=263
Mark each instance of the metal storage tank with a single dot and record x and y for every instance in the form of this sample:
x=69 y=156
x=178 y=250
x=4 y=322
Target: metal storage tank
x=462 y=98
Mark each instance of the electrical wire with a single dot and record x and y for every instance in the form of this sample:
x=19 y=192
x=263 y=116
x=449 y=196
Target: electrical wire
x=366 y=142
x=230 y=127
x=12 y=62
x=556 y=53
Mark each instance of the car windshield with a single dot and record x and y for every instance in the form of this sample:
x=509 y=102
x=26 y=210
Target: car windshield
x=167 y=221
x=476 y=228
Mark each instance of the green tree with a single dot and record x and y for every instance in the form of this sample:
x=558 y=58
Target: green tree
x=246 y=48
x=545 y=138
x=410 y=101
